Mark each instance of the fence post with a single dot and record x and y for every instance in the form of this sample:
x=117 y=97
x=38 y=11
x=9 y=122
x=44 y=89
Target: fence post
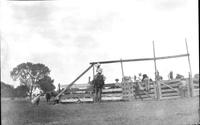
x=159 y=90
x=156 y=82
x=191 y=86
x=59 y=87
x=122 y=69
x=93 y=71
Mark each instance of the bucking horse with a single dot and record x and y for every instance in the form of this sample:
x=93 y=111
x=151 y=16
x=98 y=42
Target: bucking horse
x=98 y=83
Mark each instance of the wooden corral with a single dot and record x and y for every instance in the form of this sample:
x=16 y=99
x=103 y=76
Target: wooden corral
x=158 y=89
x=169 y=89
x=129 y=94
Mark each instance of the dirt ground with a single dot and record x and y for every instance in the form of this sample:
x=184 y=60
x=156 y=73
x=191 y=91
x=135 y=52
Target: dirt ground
x=165 y=112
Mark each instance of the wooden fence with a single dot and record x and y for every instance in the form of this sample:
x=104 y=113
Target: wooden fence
x=169 y=89
x=84 y=93
x=196 y=87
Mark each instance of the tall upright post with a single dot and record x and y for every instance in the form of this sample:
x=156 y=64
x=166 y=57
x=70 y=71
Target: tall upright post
x=191 y=86
x=93 y=71
x=59 y=87
x=122 y=69
x=158 y=90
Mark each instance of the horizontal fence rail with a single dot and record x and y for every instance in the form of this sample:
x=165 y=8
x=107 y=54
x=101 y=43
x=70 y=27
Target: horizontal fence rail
x=141 y=59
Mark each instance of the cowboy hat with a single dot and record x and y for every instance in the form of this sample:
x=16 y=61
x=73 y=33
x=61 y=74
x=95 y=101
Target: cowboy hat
x=98 y=64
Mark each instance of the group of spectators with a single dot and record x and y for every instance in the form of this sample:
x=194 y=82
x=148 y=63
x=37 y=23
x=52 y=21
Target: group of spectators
x=145 y=81
x=178 y=76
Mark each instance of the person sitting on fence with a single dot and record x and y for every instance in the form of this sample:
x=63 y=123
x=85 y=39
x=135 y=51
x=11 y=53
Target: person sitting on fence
x=183 y=88
x=117 y=84
x=145 y=81
x=178 y=76
x=170 y=75
x=158 y=77
x=135 y=78
x=139 y=82
x=140 y=77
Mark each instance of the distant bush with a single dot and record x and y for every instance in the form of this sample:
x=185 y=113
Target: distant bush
x=7 y=90
x=21 y=91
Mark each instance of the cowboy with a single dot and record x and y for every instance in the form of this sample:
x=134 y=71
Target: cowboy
x=99 y=70
x=98 y=87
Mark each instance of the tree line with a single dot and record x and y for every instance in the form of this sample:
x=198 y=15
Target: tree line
x=29 y=75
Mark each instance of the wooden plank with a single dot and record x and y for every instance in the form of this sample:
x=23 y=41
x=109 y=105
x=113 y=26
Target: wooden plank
x=169 y=94
x=112 y=90
x=111 y=98
x=196 y=85
x=171 y=81
x=196 y=92
x=90 y=95
x=115 y=90
x=141 y=59
x=196 y=81
x=145 y=96
x=142 y=94
x=169 y=86
x=88 y=85
x=168 y=90
x=91 y=99
x=170 y=97
x=112 y=95
x=173 y=86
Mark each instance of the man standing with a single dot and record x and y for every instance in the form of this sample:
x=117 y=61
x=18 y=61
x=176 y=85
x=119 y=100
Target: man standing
x=99 y=82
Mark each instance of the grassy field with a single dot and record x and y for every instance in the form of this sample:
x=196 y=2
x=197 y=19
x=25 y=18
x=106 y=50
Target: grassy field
x=165 y=112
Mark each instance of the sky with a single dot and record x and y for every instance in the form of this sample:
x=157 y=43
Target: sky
x=66 y=35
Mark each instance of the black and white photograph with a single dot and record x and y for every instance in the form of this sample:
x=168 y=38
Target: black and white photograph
x=99 y=62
